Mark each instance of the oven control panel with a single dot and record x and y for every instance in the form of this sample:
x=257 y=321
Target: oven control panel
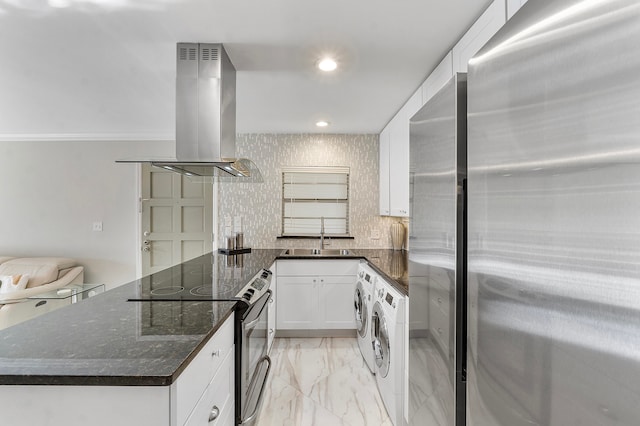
x=257 y=286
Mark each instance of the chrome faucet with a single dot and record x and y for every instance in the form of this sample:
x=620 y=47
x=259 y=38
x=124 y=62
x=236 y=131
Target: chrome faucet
x=321 y=232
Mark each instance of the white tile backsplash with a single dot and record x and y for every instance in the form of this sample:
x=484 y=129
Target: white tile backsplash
x=260 y=204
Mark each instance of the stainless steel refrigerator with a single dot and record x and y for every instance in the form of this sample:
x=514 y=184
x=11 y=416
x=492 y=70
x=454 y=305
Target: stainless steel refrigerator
x=436 y=259
x=554 y=218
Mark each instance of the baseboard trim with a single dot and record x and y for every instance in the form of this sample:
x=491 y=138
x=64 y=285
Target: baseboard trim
x=316 y=333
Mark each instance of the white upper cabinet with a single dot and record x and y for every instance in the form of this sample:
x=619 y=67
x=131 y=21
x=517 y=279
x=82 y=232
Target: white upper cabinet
x=394 y=139
x=394 y=160
x=513 y=6
x=438 y=78
x=399 y=157
x=480 y=32
x=384 y=171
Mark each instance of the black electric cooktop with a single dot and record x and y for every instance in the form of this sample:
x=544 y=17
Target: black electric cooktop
x=208 y=277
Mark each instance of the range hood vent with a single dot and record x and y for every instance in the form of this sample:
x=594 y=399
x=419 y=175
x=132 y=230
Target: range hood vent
x=206 y=116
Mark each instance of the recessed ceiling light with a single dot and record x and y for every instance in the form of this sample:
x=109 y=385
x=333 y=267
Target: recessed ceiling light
x=327 y=64
x=322 y=123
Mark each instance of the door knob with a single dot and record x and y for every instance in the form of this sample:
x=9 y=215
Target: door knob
x=215 y=411
x=146 y=233
x=146 y=242
x=146 y=248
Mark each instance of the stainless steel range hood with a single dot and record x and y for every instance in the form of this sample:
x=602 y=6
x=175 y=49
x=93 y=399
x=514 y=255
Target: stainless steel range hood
x=206 y=116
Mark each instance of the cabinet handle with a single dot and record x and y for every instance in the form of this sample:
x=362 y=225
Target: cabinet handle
x=439 y=331
x=439 y=301
x=215 y=411
x=271 y=331
x=216 y=352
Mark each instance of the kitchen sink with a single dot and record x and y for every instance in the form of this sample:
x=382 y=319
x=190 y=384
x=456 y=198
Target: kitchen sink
x=315 y=252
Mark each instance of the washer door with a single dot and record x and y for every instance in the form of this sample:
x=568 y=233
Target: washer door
x=380 y=340
x=361 y=310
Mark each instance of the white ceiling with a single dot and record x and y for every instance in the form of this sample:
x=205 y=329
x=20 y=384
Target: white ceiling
x=106 y=68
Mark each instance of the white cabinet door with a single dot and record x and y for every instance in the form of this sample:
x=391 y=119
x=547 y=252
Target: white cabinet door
x=217 y=402
x=194 y=380
x=438 y=78
x=513 y=6
x=384 y=171
x=297 y=303
x=337 y=311
x=480 y=32
x=399 y=157
x=316 y=294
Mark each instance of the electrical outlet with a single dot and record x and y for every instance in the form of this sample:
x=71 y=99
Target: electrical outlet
x=375 y=234
x=97 y=226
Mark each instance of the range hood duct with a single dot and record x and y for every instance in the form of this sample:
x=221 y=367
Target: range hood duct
x=206 y=116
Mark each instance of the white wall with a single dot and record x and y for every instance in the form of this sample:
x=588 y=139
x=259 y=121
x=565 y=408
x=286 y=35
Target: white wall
x=53 y=191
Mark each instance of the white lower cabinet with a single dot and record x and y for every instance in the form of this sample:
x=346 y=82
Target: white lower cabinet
x=316 y=294
x=206 y=382
x=205 y=389
x=216 y=406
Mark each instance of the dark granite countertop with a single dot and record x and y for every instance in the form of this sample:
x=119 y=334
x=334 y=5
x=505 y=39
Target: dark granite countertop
x=392 y=264
x=108 y=340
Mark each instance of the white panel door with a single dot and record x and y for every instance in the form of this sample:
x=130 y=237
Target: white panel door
x=177 y=219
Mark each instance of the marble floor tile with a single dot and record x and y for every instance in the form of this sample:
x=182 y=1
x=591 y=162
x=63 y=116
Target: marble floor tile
x=351 y=393
x=321 y=381
x=286 y=406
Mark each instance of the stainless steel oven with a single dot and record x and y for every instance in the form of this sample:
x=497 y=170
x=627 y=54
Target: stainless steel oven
x=252 y=335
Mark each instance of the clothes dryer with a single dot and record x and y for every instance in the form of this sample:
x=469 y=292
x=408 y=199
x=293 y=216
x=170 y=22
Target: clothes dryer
x=389 y=341
x=363 y=304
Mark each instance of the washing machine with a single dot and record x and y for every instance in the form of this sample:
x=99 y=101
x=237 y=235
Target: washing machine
x=363 y=304
x=388 y=323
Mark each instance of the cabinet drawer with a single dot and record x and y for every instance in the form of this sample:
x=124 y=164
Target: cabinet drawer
x=194 y=379
x=218 y=394
x=317 y=267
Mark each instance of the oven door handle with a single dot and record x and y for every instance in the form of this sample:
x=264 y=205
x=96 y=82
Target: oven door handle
x=261 y=394
x=252 y=324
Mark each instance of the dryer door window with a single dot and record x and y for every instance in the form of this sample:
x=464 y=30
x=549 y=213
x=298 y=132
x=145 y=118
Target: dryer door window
x=380 y=340
x=360 y=308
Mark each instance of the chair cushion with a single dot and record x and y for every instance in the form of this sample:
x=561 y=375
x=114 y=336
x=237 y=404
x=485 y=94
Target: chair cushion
x=42 y=270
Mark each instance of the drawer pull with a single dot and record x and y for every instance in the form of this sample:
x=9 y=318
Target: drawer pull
x=217 y=352
x=439 y=301
x=215 y=412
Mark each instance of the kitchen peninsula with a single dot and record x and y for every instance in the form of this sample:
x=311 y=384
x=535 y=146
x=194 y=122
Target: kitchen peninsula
x=112 y=361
